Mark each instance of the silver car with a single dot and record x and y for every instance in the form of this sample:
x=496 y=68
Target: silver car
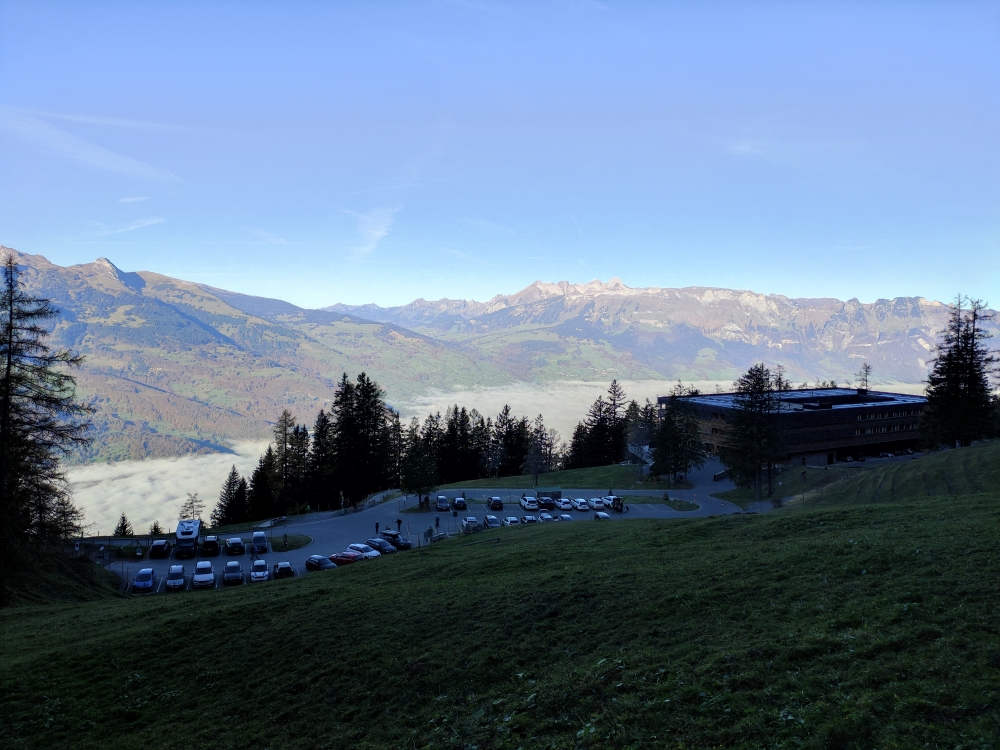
x=364 y=549
x=175 y=578
x=512 y=521
x=204 y=575
x=580 y=504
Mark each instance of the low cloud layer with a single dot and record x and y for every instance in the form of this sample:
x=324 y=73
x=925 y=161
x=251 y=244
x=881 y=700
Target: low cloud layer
x=153 y=489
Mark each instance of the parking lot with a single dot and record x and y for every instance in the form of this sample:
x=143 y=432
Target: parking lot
x=332 y=532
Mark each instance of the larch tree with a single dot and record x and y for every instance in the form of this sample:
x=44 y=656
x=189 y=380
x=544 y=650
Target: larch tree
x=40 y=420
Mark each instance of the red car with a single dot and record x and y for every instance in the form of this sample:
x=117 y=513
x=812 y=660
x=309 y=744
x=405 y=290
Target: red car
x=346 y=557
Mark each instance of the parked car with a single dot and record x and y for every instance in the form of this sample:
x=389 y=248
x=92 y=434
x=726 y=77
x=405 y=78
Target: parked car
x=259 y=572
x=529 y=519
x=175 y=578
x=258 y=545
x=233 y=574
x=546 y=503
x=544 y=517
x=396 y=539
x=318 y=562
x=235 y=546
x=442 y=504
x=284 y=570
x=459 y=504
x=565 y=517
x=210 y=546
x=601 y=516
x=596 y=503
x=491 y=522
x=382 y=545
x=580 y=504
x=346 y=557
x=564 y=504
x=529 y=503
x=159 y=548
x=883 y=454
x=144 y=582
x=494 y=503
x=204 y=575
x=512 y=521
x=364 y=549
x=470 y=524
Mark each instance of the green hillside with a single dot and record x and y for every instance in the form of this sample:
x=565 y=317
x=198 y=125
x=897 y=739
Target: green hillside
x=863 y=626
x=964 y=471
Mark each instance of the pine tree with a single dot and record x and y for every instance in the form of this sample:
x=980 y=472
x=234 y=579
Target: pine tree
x=155 y=529
x=227 y=510
x=264 y=486
x=124 y=528
x=323 y=462
x=283 y=429
x=959 y=406
x=419 y=468
x=39 y=420
x=752 y=438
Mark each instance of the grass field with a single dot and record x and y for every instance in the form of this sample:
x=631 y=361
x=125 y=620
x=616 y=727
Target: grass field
x=597 y=477
x=952 y=472
x=283 y=542
x=793 y=483
x=817 y=627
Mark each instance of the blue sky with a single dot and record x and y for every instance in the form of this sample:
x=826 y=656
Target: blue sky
x=379 y=152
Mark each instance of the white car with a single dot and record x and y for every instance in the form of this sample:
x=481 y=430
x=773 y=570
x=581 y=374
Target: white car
x=601 y=516
x=529 y=503
x=596 y=503
x=564 y=504
x=580 y=504
x=204 y=575
x=470 y=524
x=511 y=521
x=259 y=571
x=365 y=550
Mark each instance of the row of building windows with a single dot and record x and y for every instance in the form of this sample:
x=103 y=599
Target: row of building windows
x=885 y=428
x=889 y=414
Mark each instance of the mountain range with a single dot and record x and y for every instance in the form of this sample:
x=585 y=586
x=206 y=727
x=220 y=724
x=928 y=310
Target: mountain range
x=174 y=367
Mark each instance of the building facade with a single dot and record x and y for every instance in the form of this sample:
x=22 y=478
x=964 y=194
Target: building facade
x=822 y=425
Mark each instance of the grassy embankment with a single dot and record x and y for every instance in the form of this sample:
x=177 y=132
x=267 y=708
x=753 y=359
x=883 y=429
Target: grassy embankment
x=951 y=472
x=829 y=627
x=596 y=477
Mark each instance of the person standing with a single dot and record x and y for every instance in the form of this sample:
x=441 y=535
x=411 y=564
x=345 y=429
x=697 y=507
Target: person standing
x=437 y=522
x=376 y=528
x=399 y=525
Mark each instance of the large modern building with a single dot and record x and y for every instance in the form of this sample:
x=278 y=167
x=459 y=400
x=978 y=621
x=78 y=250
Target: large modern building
x=823 y=425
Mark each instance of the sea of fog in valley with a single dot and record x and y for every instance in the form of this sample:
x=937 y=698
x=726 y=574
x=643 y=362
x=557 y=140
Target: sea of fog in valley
x=155 y=488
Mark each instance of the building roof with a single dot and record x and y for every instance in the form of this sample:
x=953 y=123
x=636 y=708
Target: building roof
x=814 y=398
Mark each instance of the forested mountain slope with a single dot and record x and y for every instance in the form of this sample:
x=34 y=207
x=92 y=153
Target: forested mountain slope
x=172 y=367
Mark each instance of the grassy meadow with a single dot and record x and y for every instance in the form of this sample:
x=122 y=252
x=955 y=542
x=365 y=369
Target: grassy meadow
x=828 y=626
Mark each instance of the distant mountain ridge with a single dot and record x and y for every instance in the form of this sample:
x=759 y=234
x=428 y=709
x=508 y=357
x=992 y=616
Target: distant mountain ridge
x=702 y=333
x=174 y=367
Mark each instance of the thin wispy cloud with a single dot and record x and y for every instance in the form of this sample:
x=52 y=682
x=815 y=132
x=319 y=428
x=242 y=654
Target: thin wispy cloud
x=69 y=146
x=491 y=225
x=373 y=226
x=132 y=226
x=116 y=122
x=134 y=199
x=271 y=239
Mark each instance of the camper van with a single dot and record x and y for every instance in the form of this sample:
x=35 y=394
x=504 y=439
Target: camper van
x=186 y=544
